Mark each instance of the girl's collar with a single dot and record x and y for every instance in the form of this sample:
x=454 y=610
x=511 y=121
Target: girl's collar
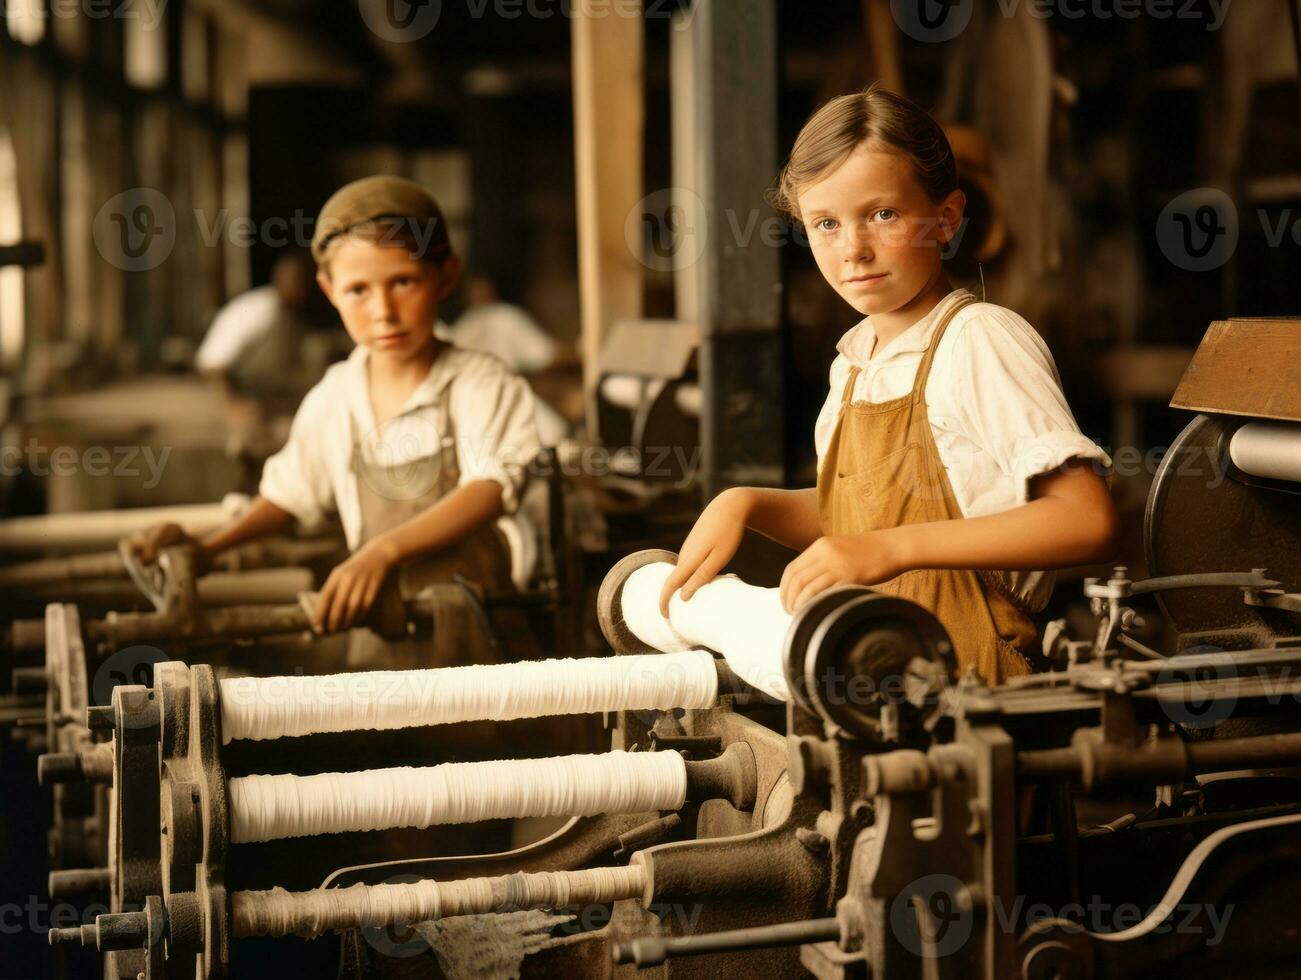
x=856 y=345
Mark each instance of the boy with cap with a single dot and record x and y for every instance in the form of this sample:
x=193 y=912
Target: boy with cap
x=421 y=447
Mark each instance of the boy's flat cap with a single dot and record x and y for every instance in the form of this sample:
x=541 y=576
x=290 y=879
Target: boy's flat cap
x=372 y=198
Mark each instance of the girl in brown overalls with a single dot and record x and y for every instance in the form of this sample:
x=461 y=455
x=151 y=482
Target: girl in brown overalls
x=951 y=470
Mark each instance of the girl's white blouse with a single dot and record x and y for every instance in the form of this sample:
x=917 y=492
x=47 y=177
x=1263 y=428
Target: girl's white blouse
x=994 y=401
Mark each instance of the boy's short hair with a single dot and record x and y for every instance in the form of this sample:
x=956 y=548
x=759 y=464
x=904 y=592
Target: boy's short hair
x=385 y=210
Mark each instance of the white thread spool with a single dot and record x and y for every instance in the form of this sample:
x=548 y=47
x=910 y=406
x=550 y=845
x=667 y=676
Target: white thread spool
x=278 y=912
x=264 y=808
x=280 y=707
x=745 y=623
x=1269 y=450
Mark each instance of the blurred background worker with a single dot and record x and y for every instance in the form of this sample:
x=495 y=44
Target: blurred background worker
x=265 y=349
x=502 y=329
x=509 y=333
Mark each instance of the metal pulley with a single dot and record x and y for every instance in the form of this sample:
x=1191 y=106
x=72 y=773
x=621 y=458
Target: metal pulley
x=871 y=664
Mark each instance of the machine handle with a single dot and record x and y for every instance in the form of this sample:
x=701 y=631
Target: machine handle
x=148 y=579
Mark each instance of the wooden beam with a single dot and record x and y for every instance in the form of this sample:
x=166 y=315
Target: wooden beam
x=883 y=42
x=682 y=99
x=609 y=125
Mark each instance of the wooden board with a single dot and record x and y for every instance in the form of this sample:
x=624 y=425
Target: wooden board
x=609 y=113
x=1246 y=367
x=649 y=348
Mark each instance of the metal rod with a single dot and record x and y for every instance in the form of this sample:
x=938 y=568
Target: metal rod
x=1234 y=753
x=1133 y=764
x=25 y=254
x=1206 y=580
x=652 y=951
x=1138 y=647
x=1048 y=764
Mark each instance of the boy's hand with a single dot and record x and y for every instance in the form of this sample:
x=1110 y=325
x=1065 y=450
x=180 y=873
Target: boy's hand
x=709 y=547
x=855 y=559
x=147 y=545
x=351 y=589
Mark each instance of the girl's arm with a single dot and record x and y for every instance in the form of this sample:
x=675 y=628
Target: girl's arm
x=351 y=589
x=1071 y=520
x=789 y=517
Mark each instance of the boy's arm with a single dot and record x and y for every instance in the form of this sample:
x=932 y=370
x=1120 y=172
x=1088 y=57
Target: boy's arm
x=464 y=510
x=1071 y=520
x=261 y=517
x=353 y=585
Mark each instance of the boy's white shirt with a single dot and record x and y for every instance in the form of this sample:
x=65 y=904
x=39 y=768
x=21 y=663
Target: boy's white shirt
x=994 y=401
x=493 y=427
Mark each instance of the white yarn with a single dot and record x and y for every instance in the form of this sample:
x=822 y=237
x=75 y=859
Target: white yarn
x=745 y=623
x=280 y=707
x=279 y=912
x=266 y=808
x=1270 y=450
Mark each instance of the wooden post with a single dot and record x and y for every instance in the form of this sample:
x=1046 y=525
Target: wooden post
x=682 y=96
x=609 y=123
x=738 y=277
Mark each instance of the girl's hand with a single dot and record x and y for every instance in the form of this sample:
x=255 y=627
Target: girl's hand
x=855 y=559
x=351 y=589
x=710 y=545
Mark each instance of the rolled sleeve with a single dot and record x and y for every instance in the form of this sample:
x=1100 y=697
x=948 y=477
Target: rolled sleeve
x=1050 y=450
x=496 y=433
x=1010 y=401
x=296 y=478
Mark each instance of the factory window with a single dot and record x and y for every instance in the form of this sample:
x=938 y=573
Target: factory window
x=26 y=20
x=145 y=41
x=196 y=55
x=447 y=175
x=11 y=277
x=76 y=179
